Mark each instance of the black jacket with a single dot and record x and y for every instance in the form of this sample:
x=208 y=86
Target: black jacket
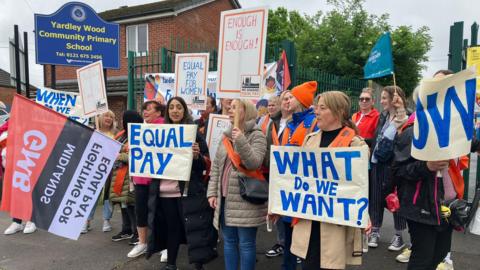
x=197 y=216
x=419 y=190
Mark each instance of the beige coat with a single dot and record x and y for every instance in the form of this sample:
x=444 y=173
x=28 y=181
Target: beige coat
x=337 y=243
x=251 y=147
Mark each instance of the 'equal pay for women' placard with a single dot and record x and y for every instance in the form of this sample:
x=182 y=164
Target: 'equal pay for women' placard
x=161 y=151
x=191 y=72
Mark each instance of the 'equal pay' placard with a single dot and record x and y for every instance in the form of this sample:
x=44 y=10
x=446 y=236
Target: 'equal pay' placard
x=443 y=126
x=191 y=74
x=161 y=151
x=324 y=184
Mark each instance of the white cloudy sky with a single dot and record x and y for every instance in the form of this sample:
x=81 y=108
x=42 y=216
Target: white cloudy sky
x=438 y=15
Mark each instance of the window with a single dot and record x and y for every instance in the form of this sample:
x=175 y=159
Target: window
x=137 y=38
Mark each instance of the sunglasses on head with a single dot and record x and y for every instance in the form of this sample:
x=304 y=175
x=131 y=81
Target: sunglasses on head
x=364 y=99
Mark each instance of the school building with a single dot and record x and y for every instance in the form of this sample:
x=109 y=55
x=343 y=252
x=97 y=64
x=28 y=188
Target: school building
x=149 y=28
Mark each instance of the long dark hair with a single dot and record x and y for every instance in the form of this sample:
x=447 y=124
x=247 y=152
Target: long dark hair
x=186 y=119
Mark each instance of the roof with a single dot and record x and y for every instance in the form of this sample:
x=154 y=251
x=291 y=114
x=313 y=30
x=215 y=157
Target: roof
x=159 y=7
x=4 y=78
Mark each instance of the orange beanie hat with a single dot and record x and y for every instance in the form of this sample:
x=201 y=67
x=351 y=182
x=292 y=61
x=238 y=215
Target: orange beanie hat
x=305 y=93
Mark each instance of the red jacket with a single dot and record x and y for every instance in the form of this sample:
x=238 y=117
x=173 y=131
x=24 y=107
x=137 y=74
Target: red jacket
x=367 y=124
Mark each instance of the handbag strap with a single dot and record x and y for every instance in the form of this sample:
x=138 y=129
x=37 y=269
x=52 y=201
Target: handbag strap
x=237 y=161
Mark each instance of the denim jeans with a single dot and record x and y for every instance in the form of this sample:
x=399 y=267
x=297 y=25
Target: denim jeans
x=239 y=245
x=280 y=233
x=107 y=211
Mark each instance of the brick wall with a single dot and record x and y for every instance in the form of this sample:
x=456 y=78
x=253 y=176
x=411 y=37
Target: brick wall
x=200 y=24
x=6 y=94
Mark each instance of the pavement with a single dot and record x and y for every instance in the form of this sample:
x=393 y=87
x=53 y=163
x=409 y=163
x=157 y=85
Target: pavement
x=95 y=250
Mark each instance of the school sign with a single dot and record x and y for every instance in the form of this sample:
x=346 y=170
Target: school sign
x=75 y=36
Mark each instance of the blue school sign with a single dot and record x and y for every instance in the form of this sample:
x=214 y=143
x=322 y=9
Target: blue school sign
x=76 y=36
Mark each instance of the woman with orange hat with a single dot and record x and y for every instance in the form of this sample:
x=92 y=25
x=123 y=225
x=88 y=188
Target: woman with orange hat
x=302 y=123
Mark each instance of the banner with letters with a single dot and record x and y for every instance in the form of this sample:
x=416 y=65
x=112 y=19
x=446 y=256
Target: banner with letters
x=56 y=168
x=66 y=103
x=217 y=125
x=443 y=127
x=241 y=52
x=323 y=184
x=161 y=151
x=191 y=76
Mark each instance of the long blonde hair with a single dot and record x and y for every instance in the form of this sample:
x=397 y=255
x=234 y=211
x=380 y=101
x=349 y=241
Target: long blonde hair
x=113 y=128
x=249 y=108
x=339 y=104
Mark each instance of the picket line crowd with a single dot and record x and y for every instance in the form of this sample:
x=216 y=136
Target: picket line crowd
x=158 y=215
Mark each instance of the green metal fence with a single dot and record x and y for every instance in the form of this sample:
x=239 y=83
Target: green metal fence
x=164 y=61
x=327 y=81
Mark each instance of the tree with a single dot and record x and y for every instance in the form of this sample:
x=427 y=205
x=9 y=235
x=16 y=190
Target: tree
x=340 y=41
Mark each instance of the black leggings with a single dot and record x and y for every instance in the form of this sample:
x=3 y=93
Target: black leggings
x=141 y=205
x=175 y=231
x=312 y=261
x=430 y=245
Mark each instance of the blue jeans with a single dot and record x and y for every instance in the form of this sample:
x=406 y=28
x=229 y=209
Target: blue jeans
x=107 y=211
x=239 y=244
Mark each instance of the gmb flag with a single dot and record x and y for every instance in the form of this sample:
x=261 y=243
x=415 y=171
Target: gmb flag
x=55 y=170
x=380 y=61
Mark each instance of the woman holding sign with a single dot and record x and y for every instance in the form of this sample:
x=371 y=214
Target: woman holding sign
x=242 y=151
x=324 y=245
x=179 y=211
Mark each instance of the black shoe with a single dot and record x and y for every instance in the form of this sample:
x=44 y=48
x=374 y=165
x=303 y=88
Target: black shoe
x=275 y=251
x=122 y=236
x=170 y=267
x=134 y=240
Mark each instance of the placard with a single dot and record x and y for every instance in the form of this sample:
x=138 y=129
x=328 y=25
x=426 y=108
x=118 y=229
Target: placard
x=217 y=125
x=91 y=85
x=322 y=184
x=242 y=39
x=191 y=72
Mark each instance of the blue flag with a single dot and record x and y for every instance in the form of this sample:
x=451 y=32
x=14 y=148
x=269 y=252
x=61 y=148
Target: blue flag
x=380 y=60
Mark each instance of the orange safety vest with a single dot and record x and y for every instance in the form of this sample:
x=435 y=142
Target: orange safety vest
x=237 y=161
x=343 y=139
x=298 y=135
x=121 y=172
x=274 y=130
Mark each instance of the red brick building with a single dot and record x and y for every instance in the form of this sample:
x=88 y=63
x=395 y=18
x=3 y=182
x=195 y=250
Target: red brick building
x=150 y=27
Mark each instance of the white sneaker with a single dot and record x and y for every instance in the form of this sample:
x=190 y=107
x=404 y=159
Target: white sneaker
x=404 y=257
x=106 y=226
x=85 y=228
x=13 y=228
x=163 y=256
x=445 y=265
x=138 y=250
x=29 y=227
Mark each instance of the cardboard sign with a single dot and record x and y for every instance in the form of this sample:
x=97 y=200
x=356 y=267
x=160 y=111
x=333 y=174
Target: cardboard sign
x=217 y=125
x=56 y=168
x=191 y=72
x=323 y=184
x=444 y=116
x=473 y=59
x=161 y=151
x=241 y=55
x=91 y=85
x=66 y=103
